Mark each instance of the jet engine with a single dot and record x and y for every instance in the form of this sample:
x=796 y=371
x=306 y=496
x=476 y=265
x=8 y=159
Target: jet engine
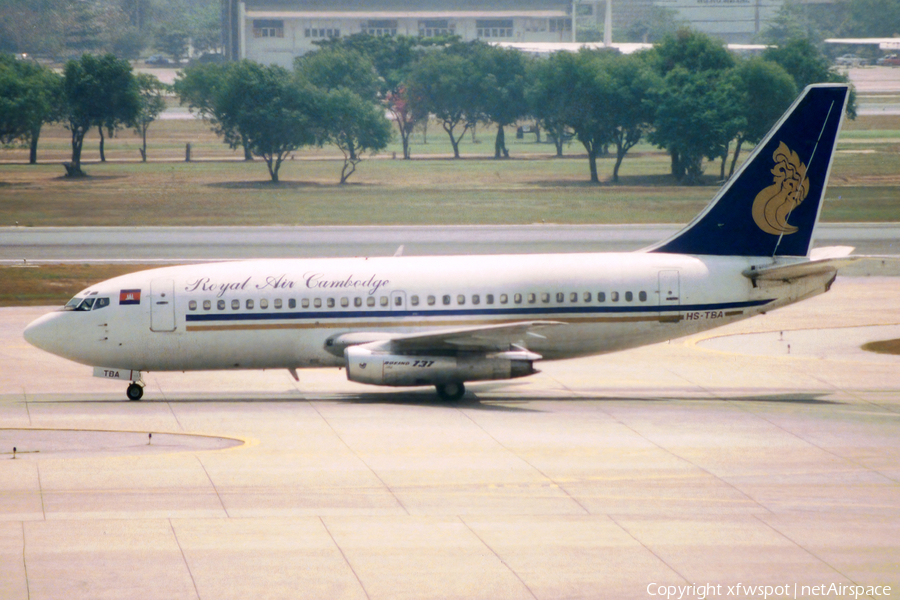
x=365 y=365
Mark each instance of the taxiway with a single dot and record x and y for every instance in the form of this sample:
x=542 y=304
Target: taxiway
x=725 y=458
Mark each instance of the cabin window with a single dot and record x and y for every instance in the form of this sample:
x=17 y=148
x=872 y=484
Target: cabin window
x=460 y=299
x=263 y=303
x=517 y=298
x=357 y=302
x=504 y=298
x=207 y=305
x=489 y=299
x=292 y=303
x=476 y=299
x=249 y=304
x=192 y=305
x=235 y=304
x=532 y=298
x=305 y=303
x=220 y=305
x=573 y=297
x=642 y=296
x=278 y=303
x=587 y=296
x=383 y=301
x=431 y=300
x=560 y=297
x=545 y=297
x=446 y=299
x=330 y=302
x=414 y=300
x=398 y=301
x=370 y=301
x=629 y=296
x=614 y=296
x=317 y=303
x=345 y=302
x=601 y=296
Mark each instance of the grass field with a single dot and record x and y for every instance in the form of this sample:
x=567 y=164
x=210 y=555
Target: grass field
x=533 y=186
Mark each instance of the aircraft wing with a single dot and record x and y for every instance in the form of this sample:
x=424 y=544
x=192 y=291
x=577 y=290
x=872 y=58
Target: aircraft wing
x=483 y=338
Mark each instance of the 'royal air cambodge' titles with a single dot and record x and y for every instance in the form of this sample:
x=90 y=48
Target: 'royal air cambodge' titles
x=313 y=281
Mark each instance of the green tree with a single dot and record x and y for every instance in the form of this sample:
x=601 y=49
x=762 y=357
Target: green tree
x=353 y=124
x=99 y=92
x=173 y=40
x=806 y=64
x=629 y=109
x=336 y=67
x=269 y=111
x=696 y=108
x=152 y=104
x=873 y=18
x=765 y=91
x=697 y=116
x=446 y=84
x=201 y=87
x=502 y=99
x=547 y=94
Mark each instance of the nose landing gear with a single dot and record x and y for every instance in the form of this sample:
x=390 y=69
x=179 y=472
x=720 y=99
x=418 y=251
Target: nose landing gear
x=135 y=390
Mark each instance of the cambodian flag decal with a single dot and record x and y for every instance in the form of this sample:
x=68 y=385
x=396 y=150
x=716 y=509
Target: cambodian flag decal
x=130 y=297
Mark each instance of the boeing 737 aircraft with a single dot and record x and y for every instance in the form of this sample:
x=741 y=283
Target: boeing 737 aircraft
x=447 y=320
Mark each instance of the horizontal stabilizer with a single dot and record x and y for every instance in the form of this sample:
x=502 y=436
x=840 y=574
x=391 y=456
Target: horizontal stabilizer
x=809 y=268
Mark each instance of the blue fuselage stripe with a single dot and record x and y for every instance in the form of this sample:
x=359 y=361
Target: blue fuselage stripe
x=470 y=312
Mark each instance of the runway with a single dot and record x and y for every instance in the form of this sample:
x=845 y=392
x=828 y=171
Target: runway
x=721 y=459
x=185 y=244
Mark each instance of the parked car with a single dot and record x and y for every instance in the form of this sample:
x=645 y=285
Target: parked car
x=889 y=60
x=159 y=60
x=850 y=60
x=210 y=57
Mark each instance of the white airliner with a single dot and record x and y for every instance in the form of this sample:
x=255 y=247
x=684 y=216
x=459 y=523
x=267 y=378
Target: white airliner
x=444 y=321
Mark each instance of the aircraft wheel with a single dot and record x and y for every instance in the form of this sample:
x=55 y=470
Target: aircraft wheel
x=135 y=391
x=451 y=391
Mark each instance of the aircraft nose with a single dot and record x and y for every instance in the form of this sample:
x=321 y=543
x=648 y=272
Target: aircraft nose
x=43 y=333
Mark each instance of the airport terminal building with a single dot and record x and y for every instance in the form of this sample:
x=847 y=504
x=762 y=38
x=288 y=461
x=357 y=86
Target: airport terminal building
x=276 y=31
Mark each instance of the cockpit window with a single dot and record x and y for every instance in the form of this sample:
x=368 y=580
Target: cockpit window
x=73 y=303
x=100 y=303
x=87 y=304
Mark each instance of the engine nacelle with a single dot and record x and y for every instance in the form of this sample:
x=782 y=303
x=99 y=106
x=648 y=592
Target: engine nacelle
x=376 y=368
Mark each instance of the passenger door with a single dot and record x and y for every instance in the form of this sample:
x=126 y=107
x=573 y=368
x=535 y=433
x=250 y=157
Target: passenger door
x=162 y=305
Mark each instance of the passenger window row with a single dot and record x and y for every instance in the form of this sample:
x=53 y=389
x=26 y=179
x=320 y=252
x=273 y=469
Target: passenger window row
x=446 y=300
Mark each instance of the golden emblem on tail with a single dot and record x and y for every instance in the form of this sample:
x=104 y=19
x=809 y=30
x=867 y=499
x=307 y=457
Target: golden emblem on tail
x=774 y=204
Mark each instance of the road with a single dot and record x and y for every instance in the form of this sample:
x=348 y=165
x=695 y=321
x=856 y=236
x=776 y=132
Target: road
x=186 y=244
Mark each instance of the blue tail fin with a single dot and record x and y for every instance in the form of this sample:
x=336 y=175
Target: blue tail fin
x=771 y=206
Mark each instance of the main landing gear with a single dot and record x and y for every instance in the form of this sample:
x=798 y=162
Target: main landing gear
x=450 y=391
x=135 y=391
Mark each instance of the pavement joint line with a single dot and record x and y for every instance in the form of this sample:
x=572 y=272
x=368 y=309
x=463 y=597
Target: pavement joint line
x=494 y=552
x=344 y=556
x=184 y=558
x=850 y=393
x=681 y=458
x=360 y=459
x=544 y=475
x=25 y=561
x=215 y=489
x=647 y=548
x=805 y=549
x=741 y=406
x=37 y=468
